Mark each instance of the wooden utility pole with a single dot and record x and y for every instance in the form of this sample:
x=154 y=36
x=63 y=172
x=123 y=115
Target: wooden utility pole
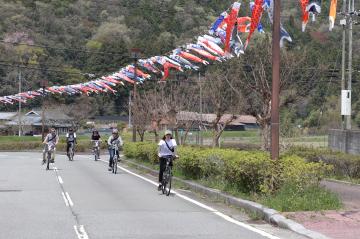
x=275 y=82
x=135 y=52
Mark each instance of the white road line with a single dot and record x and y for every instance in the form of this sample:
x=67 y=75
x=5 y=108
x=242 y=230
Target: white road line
x=66 y=201
x=69 y=199
x=225 y=217
x=81 y=233
x=60 y=180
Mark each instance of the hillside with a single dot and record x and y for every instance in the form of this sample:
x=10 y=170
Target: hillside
x=94 y=37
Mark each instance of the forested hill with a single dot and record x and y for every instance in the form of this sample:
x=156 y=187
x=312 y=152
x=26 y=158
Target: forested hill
x=94 y=37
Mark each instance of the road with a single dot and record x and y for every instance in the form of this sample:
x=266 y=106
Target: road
x=81 y=199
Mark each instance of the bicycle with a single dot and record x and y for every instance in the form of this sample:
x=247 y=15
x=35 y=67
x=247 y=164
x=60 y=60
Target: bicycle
x=49 y=154
x=115 y=158
x=96 y=149
x=167 y=176
x=71 y=151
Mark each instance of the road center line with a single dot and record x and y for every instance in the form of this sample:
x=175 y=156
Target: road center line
x=225 y=217
x=69 y=199
x=66 y=201
x=60 y=180
x=81 y=233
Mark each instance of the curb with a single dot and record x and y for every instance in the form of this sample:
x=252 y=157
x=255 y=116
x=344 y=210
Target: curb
x=269 y=215
x=341 y=182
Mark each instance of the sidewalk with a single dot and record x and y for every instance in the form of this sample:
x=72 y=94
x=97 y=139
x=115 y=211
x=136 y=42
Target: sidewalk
x=335 y=224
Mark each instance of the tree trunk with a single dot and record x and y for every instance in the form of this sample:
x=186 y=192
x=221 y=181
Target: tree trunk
x=141 y=134
x=265 y=134
x=216 y=139
x=156 y=134
x=176 y=132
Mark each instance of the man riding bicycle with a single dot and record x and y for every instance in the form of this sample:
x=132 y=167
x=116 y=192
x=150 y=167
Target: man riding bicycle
x=114 y=139
x=51 y=139
x=167 y=148
x=70 y=140
x=95 y=137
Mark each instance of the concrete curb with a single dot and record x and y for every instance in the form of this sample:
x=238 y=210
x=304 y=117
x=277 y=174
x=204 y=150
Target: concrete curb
x=341 y=182
x=270 y=215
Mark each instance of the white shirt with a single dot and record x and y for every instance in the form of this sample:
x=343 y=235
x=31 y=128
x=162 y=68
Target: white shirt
x=163 y=148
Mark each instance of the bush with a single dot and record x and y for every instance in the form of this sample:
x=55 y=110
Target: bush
x=343 y=165
x=247 y=171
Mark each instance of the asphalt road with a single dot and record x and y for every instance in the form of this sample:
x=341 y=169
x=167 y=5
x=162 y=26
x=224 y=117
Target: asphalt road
x=81 y=199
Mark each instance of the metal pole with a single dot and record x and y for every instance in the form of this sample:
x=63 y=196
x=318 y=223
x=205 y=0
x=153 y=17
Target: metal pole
x=19 y=117
x=343 y=22
x=201 y=111
x=135 y=92
x=130 y=110
x=348 y=117
x=42 y=112
x=275 y=82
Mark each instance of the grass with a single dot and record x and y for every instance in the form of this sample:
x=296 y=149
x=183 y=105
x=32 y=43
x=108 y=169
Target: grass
x=251 y=137
x=290 y=199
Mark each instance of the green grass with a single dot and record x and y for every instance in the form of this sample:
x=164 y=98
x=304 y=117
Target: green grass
x=19 y=139
x=290 y=199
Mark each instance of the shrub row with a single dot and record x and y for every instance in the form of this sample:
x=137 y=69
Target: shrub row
x=344 y=165
x=81 y=146
x=248 y=171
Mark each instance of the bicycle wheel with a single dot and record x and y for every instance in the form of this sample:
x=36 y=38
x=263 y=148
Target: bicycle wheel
x=96 y=153
x=165 y=179
x=72 y=154
x=115 y=162
x=48 y=160
x=168 y=188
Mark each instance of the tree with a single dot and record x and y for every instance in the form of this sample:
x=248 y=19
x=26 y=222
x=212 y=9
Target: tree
x=255 y=77
x=221 y=98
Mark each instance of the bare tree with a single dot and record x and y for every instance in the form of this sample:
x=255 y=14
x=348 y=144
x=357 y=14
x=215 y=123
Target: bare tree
x=178 y=95
x=254 y=73
x=221 y=99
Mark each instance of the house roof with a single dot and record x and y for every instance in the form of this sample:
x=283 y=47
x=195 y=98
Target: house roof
x=7 y=115
x=111 y=118
x=52 y=117
x=208 y=118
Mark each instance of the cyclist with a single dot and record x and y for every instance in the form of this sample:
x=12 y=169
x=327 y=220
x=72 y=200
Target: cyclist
x=52 y=139
x=70 y=139
x=114 y=139
x=96 y=137
x=167 y=147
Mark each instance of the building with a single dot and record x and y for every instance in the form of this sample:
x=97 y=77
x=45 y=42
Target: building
x=31 y=122
x=196 y=120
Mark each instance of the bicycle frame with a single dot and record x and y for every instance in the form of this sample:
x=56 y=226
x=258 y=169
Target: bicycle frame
x=96 y=148
x=49 y=151
x=115 y=157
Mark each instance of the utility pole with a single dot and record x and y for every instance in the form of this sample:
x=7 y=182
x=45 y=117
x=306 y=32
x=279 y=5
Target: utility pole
x=19 y=116
x=275 y=82
x=130 y=110
x=351 y=10
x=201 y=110
x=343 y=92
x=43 y=85
x=347 y=23
x=135 y=52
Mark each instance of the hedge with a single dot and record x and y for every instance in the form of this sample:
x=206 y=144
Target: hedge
x=81 y=146
x=248 y=171
x=344 y=165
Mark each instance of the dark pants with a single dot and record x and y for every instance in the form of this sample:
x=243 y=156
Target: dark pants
x=162 y=167
x=68 y=146
x=112 y=153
